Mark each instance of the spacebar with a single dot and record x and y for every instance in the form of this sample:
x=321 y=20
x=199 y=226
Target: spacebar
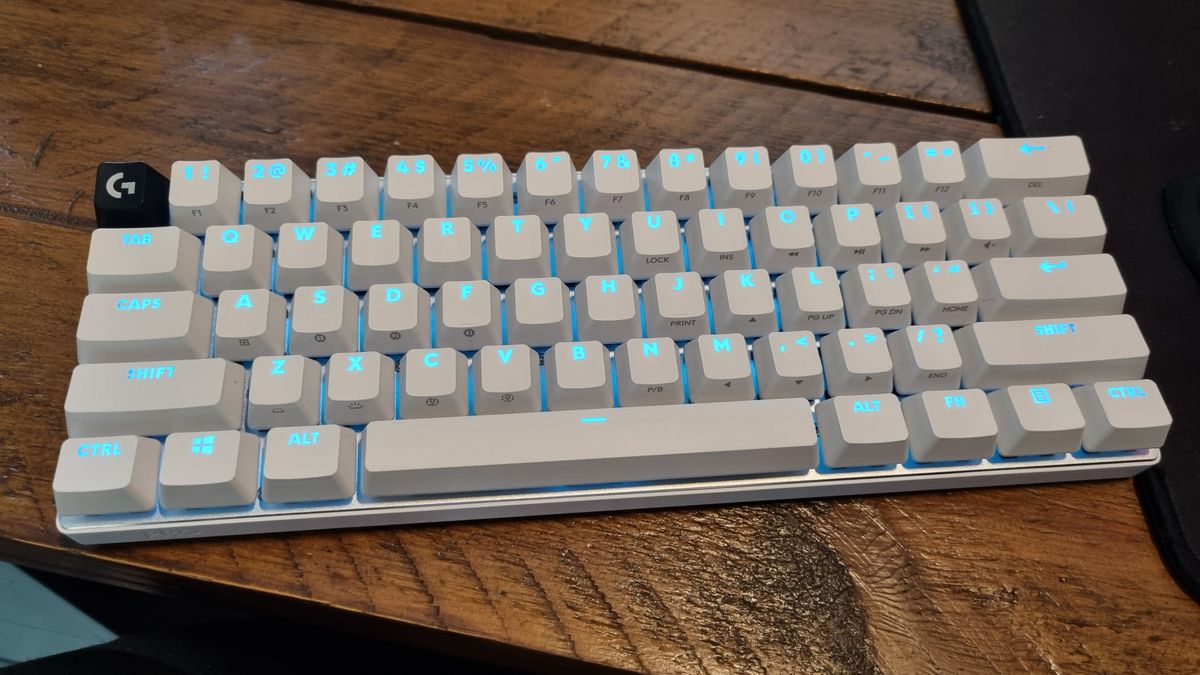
x=587 y=447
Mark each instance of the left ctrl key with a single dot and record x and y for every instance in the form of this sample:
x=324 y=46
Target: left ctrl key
x=106 y=474
x=131 y=194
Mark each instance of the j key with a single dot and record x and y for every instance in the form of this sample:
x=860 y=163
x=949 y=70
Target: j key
x=538 y=312
x=1011 y=168
x=1128 y=415
x=1043 y=288
x=204 y=194
x=275 y=191
x=236 y=256
x=876 y=295
x=154 y=398
x=250 y=324
x=209 y=469
x=806 y=175
x=675 y=306
x=142 y=259
x=716 y=241
x=396 y=318
x=741 y=179
x=309 y=254
x=912 y=233
x=649 y=372
x=381 y=252
x=324 y=321
x=433 y=383
x=468 y=315
x=130 y=194
x=308 y=464
x=577 y=376
x=676 y=181
x=518 y=246
x=612 y=183
x=783 y=239
x=481 y=188
x=347 y=190
x=115 y=327
x=943 y=292
x=788 y=365
x=546 y=186
x=977 y=230
x=650 y=243
x=743 y=303
x=448 y=249
x=924 y=358
x=856 y=361
x=414 y=188
x=284 y=391
x=950 y=425
x=1039 y=419
x=862 y=431
x=847 y=235
x=810 y=298
x=869 y=172
x=506 y=379
x=718 y=369
x=606 y=309
x=1077 y=351
x=109 y=474
x=585 y=244
x=933 y=171
x=359 y=388
x=1056 y=226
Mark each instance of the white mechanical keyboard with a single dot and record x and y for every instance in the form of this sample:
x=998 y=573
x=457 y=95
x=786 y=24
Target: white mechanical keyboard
x=282 y=352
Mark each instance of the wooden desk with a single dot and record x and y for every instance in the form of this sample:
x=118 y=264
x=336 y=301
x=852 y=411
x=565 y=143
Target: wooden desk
x=1048 y=579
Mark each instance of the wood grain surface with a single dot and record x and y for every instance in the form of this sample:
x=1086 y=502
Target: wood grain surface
x=1048 y=579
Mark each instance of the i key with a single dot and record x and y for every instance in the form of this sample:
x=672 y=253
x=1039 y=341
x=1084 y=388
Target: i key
x=716 y=241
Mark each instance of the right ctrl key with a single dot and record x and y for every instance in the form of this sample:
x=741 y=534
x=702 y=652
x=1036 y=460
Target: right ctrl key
x=1123 y=415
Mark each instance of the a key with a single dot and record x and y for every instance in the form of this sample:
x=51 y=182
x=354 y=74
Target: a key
x=912 y=233
x=448 y=249
x=783 y=239
x=856 y=361
x=324 y=321
x=810 y=298
x=235 y=257
x=1011 y=168
x=1044 y=288
x=142 y=259
x=716 y=241
x=414 y=189
x=308 y=464
x=943 y=292
x=396 y=318
x=359 y=388
x=1126 y=415
x=546 y=186
x=950 y=425
x=203 y=194
x=115 y=327
x=675 y=306
x=347 y=190
x=743 y=303
x=649 y=373
x=209 y=470
x=741 y=179
x=518 y=247
x=468 y=315
x=275 y=191
x=1040 y=419
x=309 y=254
x=585 y=244
x=481 y=188
x=538 y=312
x=1045 y=226
x=285 y=391
x=506 y=379
x=976 y=230
x=847 y=235
x=606 y=309
x=788 y=365
x=433 y=383
x=650 y=244
x=113 y=474
x=130 y=194
x=869 y=172
x=718 y=369
x=876 y=295
x=862 y=431
x=381 y=252
x=806 y=175
x=932 y=171
x=676 y=181
x=924 y=358
x=250 y=324
x=612 y=183
x=577 y=376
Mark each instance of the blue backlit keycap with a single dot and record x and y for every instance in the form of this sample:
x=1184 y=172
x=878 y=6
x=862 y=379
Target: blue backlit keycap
x=468 y=315
x=250 y=324
x=433 y=383
x=856 y=362
x=518 y=247
x=275 y=191
x=612 y=183
x=718 y=369
x=108 y=474
x=783 y=239
x=806 y=176
x=347 y=190
x=742 y=302
x=676 y=181
x=788 y=365
x=912 y=233
x=810 y=298
x=448 y=249
x=650 y=243
x=933 y=171
x=115 y=327
x=584 y=244
x=862 y=431
x=741 y=179
x=538 y=312
x=1040 y=419
x=202 y=194
x=649 y=372
x=414 y=188
x=506 y=379
x=324 y=321
x=359 y=388
x=716 y=241
x=1011 y=168
x=943 y=292
x=309 y=254
x=308 y=464
x=381 y=252
x=948 y=425
x=1048 y=287
x=847 y=235
x=209 y=469
x=1049 y=226
x=547 y=186
x=578 y=376
x=1122 y=415
x=396 y=318
x=869 y=172
x=142 y=259
x=284 y=391
x=481 y=188
x=924 y=358
x=606 y=309
x=235 y=257
x=877 y=295
x=675 y=305
x=976 y=230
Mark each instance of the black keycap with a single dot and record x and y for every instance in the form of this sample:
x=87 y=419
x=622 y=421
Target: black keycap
x=131 y=194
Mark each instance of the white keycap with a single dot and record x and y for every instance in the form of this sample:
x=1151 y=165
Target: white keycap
x=112 y=474
x=381 y=252
x=612 y=183
x=433 y=383
x=716 y=241
x=676 y=181
x=1045 y=288
x=468 y=315
x=209 y=469
x=876 y=295
x=806 y=175
x=1127 y=415
x=284 y=391
x=976 y=230
x=788 y=365
x=308 y=464
x=414 y=188
x=250 y=324
x=862 y=431
x=847 y=235
x=649 y=372
x=359 y=388
x=1056 y=226
x=606 y=309
x=741 y=178
x=396 y=318
x=950 y=425
x=584 y=244
x=275 y=191
x=309 y=254
x=236 y=257
x=506 y=379
x=347 y=190
x=783 y=239
x=1011 y=168
x=912 y=233
x=933 y=171
x=538 y=312
x=142 y=259
x=116 y=327
x=943 y=292
x=518 y=246
x=203 y=194
x=924 y=358
x=718 y=369
x=1041 y=419
x=810 y=298
x=448 y=249
x=577 y=376
x=481 y=188
x=650 y=243
x=324 y=321
x=856 y=361
x=742 y=302
x=547 y=186
x=869 y=172
x=675 y=306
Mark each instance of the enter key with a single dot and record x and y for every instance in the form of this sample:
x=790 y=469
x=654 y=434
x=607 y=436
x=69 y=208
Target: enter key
x=1043 y=288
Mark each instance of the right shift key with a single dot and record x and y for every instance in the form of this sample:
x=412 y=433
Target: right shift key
x=1011 y=168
